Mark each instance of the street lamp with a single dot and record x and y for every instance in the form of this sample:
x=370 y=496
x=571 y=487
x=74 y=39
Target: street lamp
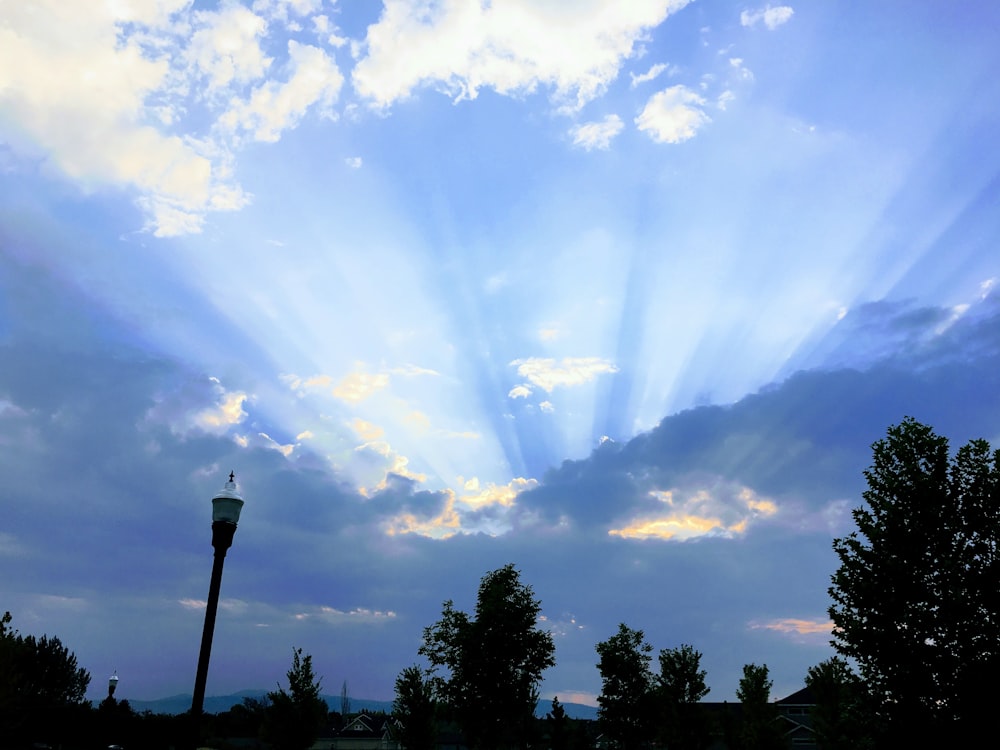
x=226 y=507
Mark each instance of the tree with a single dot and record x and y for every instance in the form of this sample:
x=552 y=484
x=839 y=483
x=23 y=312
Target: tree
x=916 y=601
x=493 y=661
x=679 y=687
x=295 y=718
x=41 y=686
x=558 y=726
x=758 y=730
x=626 y=684
x=840 y=718
x=345 y=701
x=415 y=710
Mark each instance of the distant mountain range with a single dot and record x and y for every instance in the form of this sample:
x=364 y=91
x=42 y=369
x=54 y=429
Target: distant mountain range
x=214 y=704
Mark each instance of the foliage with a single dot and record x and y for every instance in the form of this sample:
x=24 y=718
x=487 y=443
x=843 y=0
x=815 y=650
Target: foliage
x=915 y=599
x=626 y=683
x=758 y=730
x=41 y=686
x=679 y=687
x=840 y=717
x=295 y=718
x=558 y=726
x=494 y=661
x=345 y=701
x=414 y=708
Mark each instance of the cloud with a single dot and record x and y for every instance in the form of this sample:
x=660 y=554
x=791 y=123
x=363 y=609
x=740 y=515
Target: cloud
x=354 y=162
x=225 y=48
x=673 y=115
x=129 y=103
x=722 y=511
x=651 y=74
x=360 y=385
x=512 y=47
x=771 y=17
x=549 y=374
x=519 y=391
x=598 y=134
x=273 y=107
x=791 y=625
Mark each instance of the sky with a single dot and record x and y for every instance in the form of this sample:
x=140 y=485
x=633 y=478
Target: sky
x=621 y=293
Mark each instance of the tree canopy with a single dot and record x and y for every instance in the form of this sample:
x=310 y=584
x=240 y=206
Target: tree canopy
x=626 y=685
x=295 y=717
x=680 y=685
x=487 y=668
x=415 y=709
x=916 y=597
x=757 y=729
x=40 y=682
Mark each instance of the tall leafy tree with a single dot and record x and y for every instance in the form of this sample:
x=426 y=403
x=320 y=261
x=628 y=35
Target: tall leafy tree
x=41 y=686
x=840 y=717
x=296 y=717
x=487 y=667
x=758 y=729
x=916 y=598
x=680 y=685
x=626 y=688
x=414 y=708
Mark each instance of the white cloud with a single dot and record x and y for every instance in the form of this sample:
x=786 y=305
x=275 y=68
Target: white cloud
x=598 y=134
x=112 y=94
x=772 y=18
x=354 y=162
x=274 y=107
x=649 y=75
x=226 y=47
x=742 y=71
x=512 y=47
x=519 y=391
x=360 y=385
x=673 y=115
x=548 y=374
x=227 y=412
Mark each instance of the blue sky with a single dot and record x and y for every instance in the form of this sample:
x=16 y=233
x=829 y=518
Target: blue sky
x=619 y=292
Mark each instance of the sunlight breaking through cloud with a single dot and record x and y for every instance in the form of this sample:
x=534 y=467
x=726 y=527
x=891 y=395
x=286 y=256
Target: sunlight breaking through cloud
x=720 y=512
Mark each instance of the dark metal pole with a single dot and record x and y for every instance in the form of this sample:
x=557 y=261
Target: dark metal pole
x=222 y=540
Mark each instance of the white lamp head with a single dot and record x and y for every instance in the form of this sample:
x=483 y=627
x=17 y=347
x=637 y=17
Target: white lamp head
x=227 y=503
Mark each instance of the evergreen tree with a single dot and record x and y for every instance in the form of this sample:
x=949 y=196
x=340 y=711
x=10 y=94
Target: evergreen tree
x=295 y=718
x=557 y=724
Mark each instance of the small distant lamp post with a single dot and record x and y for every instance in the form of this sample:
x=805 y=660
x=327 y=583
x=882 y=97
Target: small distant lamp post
x=112 y=684
x=226 y=507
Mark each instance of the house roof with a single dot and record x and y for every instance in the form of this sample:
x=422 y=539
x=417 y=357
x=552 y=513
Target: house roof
x=803 y=697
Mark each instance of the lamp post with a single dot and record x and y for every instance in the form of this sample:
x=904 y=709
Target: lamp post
x=226 y=507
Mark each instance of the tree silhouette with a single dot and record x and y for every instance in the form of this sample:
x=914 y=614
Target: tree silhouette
x=624 y=702
x=916 y=599
x=295 y=718
x=415 y=710
x=679 y=687
x=493 y=661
